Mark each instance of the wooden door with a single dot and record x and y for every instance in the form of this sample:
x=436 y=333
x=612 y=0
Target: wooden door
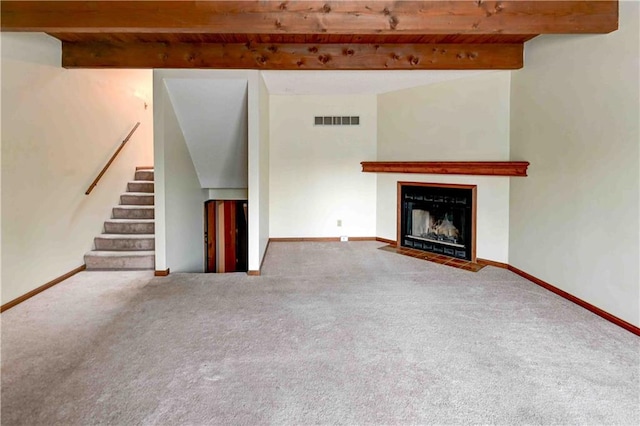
x=210 y=235
x=230 y=236
x=226 y=236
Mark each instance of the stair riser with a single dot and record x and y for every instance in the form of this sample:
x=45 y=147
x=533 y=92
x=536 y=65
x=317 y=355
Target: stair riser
x=115 y=263
x=136 y=200
x=144 y=175
x=129 y=228
x=119 y=213
x=125 y=244
x=140 y=187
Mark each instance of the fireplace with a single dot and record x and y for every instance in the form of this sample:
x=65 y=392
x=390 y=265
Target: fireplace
x=437 y=218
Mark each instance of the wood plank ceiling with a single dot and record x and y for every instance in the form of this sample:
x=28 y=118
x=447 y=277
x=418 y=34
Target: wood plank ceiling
x=312 y=35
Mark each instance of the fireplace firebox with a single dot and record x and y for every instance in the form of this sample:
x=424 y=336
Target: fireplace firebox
x=437 y=218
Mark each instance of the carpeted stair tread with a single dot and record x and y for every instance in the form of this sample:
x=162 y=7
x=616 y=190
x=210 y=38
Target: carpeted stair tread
x=140 y=186
x=144 y=175
x=150 y=207
x=129 y=226
x=110 y=253
x=120 y=260
x=126 y=236
x=134 y=206
x=131 y=220
x=139 y=194
x=134 y=212
x=125 y=242
x=137 y=198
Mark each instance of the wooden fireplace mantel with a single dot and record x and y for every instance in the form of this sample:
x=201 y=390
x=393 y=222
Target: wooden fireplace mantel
x=484 y=168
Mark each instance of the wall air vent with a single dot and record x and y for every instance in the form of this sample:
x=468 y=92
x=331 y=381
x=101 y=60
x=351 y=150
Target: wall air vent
x=336 y=121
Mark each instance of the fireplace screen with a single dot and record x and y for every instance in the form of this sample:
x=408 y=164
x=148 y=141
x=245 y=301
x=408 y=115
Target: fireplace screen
x=437 y=220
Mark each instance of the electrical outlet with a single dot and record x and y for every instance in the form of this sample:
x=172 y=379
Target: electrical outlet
x=344 y=238
x=339 y=222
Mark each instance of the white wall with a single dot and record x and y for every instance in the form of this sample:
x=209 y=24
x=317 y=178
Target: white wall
x=460 y=120
x=315 y=173
x=183 y=197
x=264 y=167
x=213 y=117
x=255 y=160
x=228 y=194
x=176 y=178
x=59 y=128
x=575 y=116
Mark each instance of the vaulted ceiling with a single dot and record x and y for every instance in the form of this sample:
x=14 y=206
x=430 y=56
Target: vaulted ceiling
x=304 y=35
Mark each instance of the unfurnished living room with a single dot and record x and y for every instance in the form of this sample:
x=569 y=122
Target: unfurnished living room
x=320 y=212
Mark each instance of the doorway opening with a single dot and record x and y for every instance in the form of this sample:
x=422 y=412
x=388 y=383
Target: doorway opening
x=226 y=235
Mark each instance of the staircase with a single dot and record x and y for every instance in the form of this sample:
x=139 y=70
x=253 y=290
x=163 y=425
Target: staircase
x=128 y=241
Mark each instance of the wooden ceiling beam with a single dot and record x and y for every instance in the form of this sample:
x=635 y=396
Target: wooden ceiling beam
x=296 y=56
x=313 y=17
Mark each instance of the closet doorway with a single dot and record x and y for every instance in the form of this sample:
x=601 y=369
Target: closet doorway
x=226 y=235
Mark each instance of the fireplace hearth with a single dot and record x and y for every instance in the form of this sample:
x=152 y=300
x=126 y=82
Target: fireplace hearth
x=437 y=218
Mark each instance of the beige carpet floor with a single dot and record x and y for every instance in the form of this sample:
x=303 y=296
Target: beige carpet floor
x=331 y=333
